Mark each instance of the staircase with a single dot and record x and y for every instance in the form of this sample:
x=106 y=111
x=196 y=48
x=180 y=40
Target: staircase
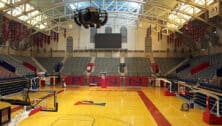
x=63 y=61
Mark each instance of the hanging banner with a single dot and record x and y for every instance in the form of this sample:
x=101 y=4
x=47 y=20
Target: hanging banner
x=45 y=39
x=6 y=29
x=17 y=31
x=25 y=32
x=168 y=39
x=41 y=40
x=161 y=36
x=51 y=35
x=65 y=33
x=48 y=40
x=57 y=37
x=158 y=36
x=12 y=30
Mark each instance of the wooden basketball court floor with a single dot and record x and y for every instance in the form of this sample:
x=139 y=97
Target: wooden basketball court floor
x=124 y=107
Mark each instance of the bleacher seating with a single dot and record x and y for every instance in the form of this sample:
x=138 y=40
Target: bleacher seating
x=167 y=64
x=138 y=66
x=75 y=65
x=200 y=99
x=108 y=65
x=20 y=69
x=10 y=86
x=5 y=73
x=49 y=62
x=27 y=59
x=205 y=74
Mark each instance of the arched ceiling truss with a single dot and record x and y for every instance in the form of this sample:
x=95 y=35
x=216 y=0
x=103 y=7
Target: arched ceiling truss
x=45 y=15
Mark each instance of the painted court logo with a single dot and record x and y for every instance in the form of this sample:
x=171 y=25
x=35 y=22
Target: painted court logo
x=86 y=102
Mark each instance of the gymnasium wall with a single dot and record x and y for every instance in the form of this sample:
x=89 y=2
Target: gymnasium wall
x=135 y=42
x=81 y=38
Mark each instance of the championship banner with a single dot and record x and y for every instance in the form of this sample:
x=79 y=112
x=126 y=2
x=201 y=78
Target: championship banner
x=214 y=9
x=6 y=29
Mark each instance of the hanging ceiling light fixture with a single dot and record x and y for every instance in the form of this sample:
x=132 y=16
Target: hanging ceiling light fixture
x=90 y=17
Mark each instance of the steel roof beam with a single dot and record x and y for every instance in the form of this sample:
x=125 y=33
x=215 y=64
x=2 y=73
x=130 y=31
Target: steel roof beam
x=10 y=6
x=193 y=4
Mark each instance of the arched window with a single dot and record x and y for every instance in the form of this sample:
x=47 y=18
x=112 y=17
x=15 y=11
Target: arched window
x=69 y=44
x=108 y=30
x=123 y=32
x=93 y=32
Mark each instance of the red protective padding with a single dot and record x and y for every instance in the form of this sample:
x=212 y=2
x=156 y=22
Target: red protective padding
x=74 y=80
x=51 y=81
x=199 y=67
x=167 y=84
x=136 y=81
x=161 y=83
x=144 y=81
x=152 y=78
x=29 y=66
x=103 y=83
x=168 y=93
x=210 y=118
x=113 y=80
x=42 y=83
x=35 y=111
x=94 y=80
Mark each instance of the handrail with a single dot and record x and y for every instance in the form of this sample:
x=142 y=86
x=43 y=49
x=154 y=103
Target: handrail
x=207 y=93
x=202 y=89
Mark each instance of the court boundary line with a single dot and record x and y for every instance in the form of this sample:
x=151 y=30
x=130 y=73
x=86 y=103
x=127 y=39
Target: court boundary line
x=157 y=115
x=159 y=118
